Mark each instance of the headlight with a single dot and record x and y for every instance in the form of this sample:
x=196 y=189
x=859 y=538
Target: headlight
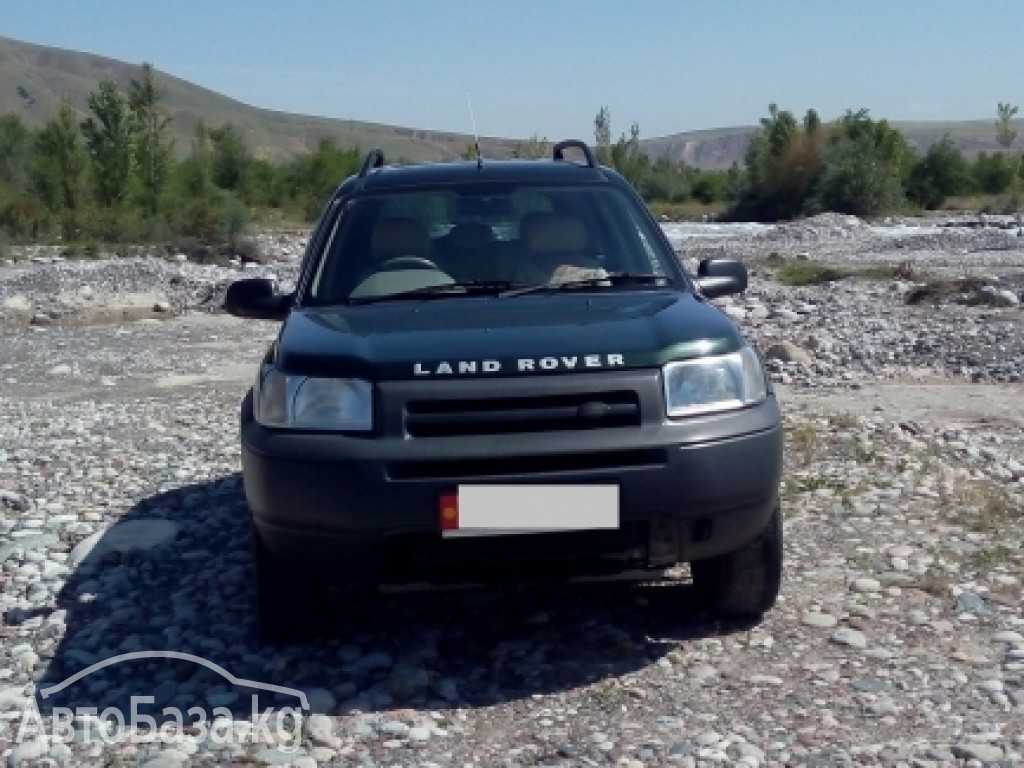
x=301 y=402
x=710 y=384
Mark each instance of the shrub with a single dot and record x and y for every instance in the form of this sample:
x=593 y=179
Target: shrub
x=857 y=179
x=805 y=273
x=234 y=218
x=941 y=173
x=863 y=168
x=993 y=174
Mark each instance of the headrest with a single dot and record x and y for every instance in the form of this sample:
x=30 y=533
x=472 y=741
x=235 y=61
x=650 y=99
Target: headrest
x=552 y=233
x=400 y=236
x=471 y=236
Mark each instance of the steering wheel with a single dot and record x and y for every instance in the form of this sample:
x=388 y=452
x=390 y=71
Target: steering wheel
x=407 y=262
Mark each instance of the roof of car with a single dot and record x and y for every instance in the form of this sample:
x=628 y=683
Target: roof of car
x=563 y=171
x=376 y=175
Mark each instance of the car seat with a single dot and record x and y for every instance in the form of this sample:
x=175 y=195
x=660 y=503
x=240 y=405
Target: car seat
x=470 y=252
x=399 y=236
x=551 y=241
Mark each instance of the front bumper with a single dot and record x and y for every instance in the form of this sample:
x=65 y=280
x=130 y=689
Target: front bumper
x=366 y=508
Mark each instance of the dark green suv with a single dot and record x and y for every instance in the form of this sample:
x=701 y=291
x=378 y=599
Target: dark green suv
x=498 y=370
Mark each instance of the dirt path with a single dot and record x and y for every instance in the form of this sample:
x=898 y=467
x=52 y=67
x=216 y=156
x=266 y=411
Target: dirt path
x=954 y=403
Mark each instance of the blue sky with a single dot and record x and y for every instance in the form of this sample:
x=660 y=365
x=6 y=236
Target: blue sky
x=545 y=68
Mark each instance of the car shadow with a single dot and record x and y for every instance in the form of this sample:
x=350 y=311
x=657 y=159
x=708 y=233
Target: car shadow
x=192 y=595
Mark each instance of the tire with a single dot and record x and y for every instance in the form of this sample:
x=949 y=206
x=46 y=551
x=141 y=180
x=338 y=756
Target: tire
x=290 y=602
x=743 y=584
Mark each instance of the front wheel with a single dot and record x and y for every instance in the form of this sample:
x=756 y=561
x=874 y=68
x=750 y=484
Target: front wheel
x=743 y=584
x=290 y=602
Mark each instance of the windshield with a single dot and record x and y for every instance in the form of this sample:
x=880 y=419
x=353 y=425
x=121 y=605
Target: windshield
x=462 y=240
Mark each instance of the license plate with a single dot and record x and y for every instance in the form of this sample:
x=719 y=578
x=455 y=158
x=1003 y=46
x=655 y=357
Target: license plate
x=500 y=510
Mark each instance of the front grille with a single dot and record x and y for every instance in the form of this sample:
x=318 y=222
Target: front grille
x=518 y=415
x=509 y=466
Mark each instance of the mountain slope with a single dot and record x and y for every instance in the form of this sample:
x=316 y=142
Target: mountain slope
x=718 y=149
x=35 y=79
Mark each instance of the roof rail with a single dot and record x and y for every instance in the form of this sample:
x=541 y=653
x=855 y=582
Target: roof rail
x=374 y=159
x=558 y=153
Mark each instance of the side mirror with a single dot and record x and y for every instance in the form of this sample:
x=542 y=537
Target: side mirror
x=721 y=277
x=255 y=299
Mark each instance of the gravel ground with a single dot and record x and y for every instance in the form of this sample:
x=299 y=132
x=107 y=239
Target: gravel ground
x=898 y=640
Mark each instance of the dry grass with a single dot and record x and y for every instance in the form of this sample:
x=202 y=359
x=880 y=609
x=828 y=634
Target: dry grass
x=844 y=420
x=859 y=451
x=803 y=440
x=980 y=506
x=932 y=582
x=989 y=558
x=802 y=272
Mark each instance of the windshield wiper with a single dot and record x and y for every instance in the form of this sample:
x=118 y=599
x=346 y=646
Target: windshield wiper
x=610 y=278
x=444 y=291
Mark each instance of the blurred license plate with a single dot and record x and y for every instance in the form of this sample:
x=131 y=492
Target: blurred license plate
x=498 y=510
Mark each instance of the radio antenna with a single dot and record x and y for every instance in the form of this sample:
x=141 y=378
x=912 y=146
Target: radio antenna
x=476 y=135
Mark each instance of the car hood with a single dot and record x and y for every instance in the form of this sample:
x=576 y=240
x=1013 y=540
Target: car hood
x=503 y=336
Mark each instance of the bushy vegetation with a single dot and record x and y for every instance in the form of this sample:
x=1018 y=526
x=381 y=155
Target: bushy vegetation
x=660 y=181
x=865 y=167
x=115 y=177
x=854 y=165
x=803 y=273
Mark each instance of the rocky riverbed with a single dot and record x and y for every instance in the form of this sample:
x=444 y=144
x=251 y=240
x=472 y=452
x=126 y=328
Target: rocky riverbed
x=898 y=640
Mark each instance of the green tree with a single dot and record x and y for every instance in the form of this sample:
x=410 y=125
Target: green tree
x=665 y=181
x=993 y=174
x=1005 y=133
x=533 y=148
x=264 y=185
x=196 y=209
x=603 y=135
x=59 y=169
x=941 y=173
x=782 y=166
x=15 y=148
x=812 y=123
x=862 y=168
x=110 y=137
x=22 y=215
x=856 y=180
x=628 y=158
x=780 y=127
x=230 y=157
x=59 y=161
x=854 y=165
x=710 y=187
x=152 y=145
x=313 y=177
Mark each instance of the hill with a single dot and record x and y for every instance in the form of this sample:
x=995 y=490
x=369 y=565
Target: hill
x=35 y=79
x=719 y=148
